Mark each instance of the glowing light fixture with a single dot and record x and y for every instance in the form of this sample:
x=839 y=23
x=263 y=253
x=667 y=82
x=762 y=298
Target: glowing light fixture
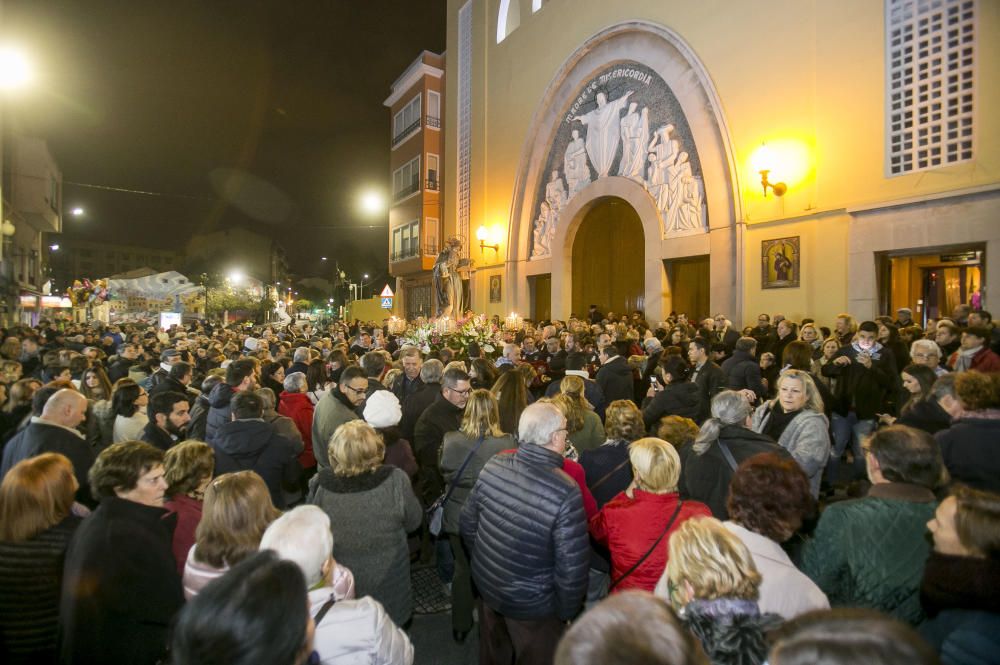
x=15 y=69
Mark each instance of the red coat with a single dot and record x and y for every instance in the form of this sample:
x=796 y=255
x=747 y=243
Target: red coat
x=188 y=516
x=629 y=527
x=299 y=408
x=984 y=360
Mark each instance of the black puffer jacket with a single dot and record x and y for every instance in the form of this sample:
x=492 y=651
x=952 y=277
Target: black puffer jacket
x=676 y=399
x=615 y=380
x=199 y=418
x=220 y=410
x=254 y=445
x=525 y=525
x=743 y=372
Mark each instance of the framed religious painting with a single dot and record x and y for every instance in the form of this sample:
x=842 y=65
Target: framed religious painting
x=496 y=284
x=779 y=263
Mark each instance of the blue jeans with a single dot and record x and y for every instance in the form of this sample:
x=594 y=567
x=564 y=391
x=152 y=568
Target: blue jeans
x=848 y=429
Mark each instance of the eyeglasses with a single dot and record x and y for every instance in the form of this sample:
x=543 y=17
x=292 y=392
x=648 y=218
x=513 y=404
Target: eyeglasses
x=461 y=392
x=356 y=391
x=924 y=356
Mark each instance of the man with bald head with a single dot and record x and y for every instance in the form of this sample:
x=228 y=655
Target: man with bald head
x=54 y=431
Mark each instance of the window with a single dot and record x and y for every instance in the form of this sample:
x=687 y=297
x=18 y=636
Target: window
x=406 y=241
x=406 y=121
x=507 y=20
x=433 y=109
x=929 y=69
x=406 y=179
x=431 y=233
x=432 y=172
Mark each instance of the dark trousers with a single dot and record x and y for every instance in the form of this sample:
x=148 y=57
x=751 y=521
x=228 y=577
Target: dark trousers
x=462 y=600
x=506 y=641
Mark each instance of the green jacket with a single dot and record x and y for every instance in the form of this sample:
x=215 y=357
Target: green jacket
x=871 y=552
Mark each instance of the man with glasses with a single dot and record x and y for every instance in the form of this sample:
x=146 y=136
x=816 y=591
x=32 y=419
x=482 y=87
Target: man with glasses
x=336 y=408
x=524 y=509
x=442 y=416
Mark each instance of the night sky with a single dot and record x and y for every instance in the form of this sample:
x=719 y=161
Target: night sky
x=263 y=114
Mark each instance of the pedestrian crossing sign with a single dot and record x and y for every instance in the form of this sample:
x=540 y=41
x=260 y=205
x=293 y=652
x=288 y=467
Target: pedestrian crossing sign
x=387 y=303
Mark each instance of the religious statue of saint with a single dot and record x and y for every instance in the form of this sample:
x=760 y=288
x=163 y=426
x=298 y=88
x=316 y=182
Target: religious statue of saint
x=675 y=172
x=577 y=171
x=543 y=232
x=447 y=279
x=691 y=217
x=603 y=131
x=635 y=136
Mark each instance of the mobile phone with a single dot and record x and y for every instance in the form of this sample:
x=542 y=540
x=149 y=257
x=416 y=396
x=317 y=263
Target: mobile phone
x=653 y=381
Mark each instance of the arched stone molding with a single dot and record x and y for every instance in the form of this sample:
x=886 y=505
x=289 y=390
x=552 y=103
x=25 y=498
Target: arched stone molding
x=561 y=262
x=665 y=52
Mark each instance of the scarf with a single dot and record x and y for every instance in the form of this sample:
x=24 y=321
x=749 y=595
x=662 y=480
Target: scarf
x=960 y=582
x=964 y=361
x=875 y=352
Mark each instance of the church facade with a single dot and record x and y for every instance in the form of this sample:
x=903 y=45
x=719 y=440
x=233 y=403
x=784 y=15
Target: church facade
x=714 y=157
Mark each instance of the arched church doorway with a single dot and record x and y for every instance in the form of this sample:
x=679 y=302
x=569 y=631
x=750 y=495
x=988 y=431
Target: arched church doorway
x=608 y=259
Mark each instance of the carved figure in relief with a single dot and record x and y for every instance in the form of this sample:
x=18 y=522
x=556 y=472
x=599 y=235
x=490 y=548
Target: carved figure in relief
x=691 y=217
x=575 y=162
x=635 y=135
x=675 y=172
x=604 y=131
x=555 y=193
x=663 y=152
x=544 y=231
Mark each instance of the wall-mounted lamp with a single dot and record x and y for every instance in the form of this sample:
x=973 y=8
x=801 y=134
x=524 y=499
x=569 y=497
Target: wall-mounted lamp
x=779 y=188
x=482 y=234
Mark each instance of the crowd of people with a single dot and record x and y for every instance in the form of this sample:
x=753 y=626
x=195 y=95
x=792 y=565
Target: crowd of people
x=599 y=490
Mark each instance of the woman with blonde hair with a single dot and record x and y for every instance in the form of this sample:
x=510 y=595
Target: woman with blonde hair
x=713 y=583
x=188 y=468
x=235 y=514
x=635 y=526
x=607 y=467
x=463 y=455
x=795 y=420
x=36 y=525
x=373 y=507
x=585 y=428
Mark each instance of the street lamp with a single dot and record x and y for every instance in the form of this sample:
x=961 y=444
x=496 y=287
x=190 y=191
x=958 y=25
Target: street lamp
x=15 y=68
x=236 y=277
x=372 y=202
x=77 y=211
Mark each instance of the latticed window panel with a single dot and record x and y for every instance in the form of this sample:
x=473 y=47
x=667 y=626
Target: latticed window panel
x=930 y=69
x=464 y=123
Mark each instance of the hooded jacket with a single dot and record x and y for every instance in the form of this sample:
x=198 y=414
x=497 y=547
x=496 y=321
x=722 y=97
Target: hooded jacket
x=676 y=399
x=615 y=380
x=220 y=410
x=254 y=445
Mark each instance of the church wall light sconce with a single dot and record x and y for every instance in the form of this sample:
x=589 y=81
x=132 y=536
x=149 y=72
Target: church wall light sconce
x=482 y=235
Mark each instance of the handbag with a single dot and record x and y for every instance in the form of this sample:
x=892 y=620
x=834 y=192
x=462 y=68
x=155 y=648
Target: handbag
x=673 y=518
x=435 y=512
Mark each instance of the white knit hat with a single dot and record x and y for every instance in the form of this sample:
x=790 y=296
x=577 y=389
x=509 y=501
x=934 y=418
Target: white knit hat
x=382 y=410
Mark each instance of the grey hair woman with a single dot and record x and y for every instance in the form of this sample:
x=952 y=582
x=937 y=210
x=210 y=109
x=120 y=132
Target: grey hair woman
x=724 y=442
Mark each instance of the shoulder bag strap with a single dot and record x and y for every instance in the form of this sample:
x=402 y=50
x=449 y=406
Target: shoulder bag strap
x=323 y=610
x=728 y=454
x=461 y=469
x=609 y=474
x=673 y=518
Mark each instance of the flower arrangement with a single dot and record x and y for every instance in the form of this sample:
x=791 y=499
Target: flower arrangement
x=457 y=336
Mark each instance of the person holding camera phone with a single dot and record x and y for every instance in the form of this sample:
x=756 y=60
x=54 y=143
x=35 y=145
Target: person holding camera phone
x=670 y=393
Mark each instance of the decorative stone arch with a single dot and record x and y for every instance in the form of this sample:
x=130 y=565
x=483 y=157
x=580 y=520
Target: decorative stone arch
x=663 y=51
x=597 y=192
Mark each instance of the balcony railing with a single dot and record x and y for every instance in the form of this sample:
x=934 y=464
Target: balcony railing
x=431 y=185
x=432 y=121
x=430 y=249
x=405 y=133
x=406 y=190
